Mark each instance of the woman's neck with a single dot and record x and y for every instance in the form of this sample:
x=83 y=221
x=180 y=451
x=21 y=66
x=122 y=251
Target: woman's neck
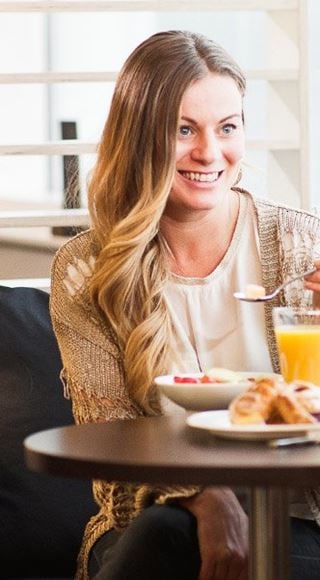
x=196 y=247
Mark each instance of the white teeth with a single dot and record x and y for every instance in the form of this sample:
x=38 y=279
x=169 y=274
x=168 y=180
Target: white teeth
x=208 y=177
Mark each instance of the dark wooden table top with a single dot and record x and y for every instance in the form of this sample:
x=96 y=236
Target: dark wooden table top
x=165 y=449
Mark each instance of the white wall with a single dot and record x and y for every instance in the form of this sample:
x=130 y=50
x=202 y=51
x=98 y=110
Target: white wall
x=88 y=42
x=23 y=108
x=101 y=41
x=91 y=42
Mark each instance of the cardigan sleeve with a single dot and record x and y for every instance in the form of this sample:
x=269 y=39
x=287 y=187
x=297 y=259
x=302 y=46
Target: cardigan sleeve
x=299 y=243
x=93 y=373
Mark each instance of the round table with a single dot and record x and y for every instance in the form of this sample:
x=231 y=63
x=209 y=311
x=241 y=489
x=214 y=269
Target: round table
x=165 y=449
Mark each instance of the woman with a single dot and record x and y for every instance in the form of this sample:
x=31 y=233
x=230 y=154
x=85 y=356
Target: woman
x=149 y=290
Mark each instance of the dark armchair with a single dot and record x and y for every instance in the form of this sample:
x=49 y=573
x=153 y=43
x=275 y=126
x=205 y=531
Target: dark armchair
x=41 y=517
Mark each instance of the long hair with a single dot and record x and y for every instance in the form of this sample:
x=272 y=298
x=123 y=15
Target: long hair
x=129 y=189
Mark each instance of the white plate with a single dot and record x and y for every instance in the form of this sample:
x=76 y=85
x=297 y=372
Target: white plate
x=206 y=396
x=218 y=423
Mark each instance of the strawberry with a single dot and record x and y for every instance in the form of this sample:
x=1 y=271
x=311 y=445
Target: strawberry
x=185 y=380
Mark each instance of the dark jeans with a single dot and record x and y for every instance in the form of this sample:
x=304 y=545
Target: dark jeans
x=161 y=544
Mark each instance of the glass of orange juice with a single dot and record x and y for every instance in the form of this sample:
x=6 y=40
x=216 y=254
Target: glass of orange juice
x=298 y=340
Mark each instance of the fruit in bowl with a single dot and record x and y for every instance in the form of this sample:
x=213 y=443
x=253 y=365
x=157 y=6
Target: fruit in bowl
x=214 y=375
x=213 y=389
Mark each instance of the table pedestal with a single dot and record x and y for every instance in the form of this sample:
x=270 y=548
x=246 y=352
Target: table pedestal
x=269 y=534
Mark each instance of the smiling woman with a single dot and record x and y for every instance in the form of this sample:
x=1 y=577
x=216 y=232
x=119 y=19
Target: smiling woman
x=210 y=147
x=148 y=291
x=210 y=143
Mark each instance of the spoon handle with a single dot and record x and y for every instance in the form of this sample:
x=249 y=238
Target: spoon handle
x=302 y=275
x=288 y=441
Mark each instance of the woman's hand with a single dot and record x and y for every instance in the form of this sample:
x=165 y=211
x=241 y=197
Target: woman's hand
x=312 y=282
x=222 y=533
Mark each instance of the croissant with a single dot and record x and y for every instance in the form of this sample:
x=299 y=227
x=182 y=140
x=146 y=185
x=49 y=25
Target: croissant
x=308 y=395
x=267 y=401
x=290 y=408
x=255 y=404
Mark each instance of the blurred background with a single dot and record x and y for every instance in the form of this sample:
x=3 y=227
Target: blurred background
x=58 y=64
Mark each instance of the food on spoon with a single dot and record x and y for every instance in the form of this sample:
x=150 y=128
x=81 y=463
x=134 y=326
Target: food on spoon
x=255 y=404
x=254 y=291
x=214 y=375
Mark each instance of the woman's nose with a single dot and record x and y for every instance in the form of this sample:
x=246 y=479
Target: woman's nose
x=207 y=149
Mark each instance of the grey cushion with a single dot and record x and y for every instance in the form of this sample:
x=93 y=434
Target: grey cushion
x=41 y=517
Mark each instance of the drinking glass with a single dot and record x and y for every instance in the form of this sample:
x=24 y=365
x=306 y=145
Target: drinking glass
x=297 y=333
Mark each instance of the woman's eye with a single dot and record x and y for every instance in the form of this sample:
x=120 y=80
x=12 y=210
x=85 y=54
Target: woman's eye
x=229 y=128
x=184 y=130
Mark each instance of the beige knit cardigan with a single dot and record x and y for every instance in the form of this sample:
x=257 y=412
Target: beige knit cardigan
x=93 y=373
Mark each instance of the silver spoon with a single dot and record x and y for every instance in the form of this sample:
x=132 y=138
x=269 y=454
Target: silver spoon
x=242 y=296
x=306 y=439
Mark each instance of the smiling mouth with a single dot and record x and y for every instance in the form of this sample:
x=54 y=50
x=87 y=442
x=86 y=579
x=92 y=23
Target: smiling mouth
x=203 y=177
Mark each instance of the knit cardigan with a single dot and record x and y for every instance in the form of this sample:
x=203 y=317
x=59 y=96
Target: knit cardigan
x=93 y=373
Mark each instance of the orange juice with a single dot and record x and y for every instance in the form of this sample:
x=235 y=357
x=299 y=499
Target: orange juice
x=299 y=352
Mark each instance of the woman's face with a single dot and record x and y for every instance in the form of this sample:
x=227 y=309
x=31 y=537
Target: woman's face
x=210 y=144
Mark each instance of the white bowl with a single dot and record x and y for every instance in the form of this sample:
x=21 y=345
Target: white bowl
x=206 y=396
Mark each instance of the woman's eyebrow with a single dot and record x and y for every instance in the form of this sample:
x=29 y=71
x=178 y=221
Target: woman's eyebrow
x=194 y=122
x=230 y=117
x=189 y=120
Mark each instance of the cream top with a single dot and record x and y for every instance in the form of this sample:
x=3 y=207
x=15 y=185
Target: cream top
x=211 y=327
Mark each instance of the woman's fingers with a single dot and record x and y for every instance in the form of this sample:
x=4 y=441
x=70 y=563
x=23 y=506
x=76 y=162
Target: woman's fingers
x=244 y=575
x=312 y=282
x=233 y=569
x=207 y=570
x=315 y=286
x=222 y=528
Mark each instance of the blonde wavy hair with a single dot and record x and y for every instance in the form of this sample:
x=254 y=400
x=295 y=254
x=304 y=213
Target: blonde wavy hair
x=128 y=191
